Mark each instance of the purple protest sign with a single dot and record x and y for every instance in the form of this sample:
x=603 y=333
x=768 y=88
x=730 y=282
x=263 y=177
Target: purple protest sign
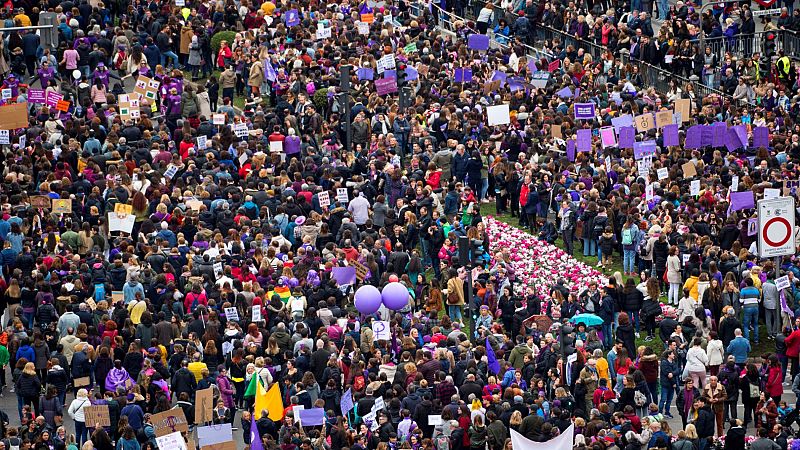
x=584 y=140
x=365 y=73
x=52 y=99
x=760 y=136
x=742 y=200
x=386 y=86
x=622 y=121
x=463 y=75
x=36 y=96
x=670 y=135
x=732 y=141
x=627 y=137
x=292 y=18
x=584 y=111
x=741 y=133
x=411 y=73
x=644 y=149
x=720 y=132
x=498 y=75
x=344 y=275
x=571 y=150
x=694 y=137
x=390 y=74
x=478 y=42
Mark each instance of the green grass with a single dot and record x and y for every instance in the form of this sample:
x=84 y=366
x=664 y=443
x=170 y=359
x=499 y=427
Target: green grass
x=764 y=345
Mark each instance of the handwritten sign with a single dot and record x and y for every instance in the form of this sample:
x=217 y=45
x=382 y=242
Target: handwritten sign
x=170 y=421
x=62 y=206
x=204 y=404
x=361 y=270
x=382 y=330
x=232 y=314
x=663 y=118
x=341 y=195
x=324 y=198
x=644 y=122
x=97 y=414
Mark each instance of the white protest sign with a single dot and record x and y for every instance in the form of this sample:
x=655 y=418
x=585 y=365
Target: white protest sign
x=363 y=28
x=382 y=330
x=121 y=222
x=771 y=193
x=734 y=183
x=435 y=419
x=202 y=142
x=172 y=441
x=6 y=94
x=5 y=137
x=214 y=434
x=379 y=404
x=240 y=130
x=341 y=195
x=256 y=314
x=323 y=33
x=218 y=119
x=498 y=114
x=218 y=268
x=782 y=282
x=663 y=173
x=694 y=187
x=232 y=314
x=324 y=198
x=649 y=192
x=275 y=146
x=171 y=171
x=22 y=141
x=388 y=62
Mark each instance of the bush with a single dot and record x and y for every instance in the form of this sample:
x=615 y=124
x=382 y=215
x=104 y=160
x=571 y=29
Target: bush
x=320 y=99
x=221 y=36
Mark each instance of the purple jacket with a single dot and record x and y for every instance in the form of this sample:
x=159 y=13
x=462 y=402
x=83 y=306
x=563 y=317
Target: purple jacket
x=225 y=390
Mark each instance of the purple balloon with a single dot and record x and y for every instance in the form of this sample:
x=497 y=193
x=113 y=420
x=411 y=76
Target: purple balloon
x=395 y=296
x=368 y=299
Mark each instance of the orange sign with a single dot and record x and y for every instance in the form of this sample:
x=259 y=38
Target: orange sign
x=62 y=106
x=367 y=18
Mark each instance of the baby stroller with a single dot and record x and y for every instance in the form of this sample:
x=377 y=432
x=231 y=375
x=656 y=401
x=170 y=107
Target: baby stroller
x=790 y=419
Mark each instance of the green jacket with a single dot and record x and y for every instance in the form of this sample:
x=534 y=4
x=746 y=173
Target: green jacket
x=4 y=356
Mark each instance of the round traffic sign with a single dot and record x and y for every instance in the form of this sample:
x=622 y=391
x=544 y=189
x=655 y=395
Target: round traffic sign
x=775 y=237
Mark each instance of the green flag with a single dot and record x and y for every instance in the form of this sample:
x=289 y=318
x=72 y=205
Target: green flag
x=252 y=387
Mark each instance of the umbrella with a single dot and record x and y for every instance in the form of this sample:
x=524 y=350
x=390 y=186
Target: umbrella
x=589 y=320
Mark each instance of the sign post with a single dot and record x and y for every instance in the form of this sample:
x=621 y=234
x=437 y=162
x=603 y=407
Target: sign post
x=776 y=227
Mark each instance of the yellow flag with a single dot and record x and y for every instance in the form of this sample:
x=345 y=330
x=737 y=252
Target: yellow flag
x=476 y=405
x=270 y=401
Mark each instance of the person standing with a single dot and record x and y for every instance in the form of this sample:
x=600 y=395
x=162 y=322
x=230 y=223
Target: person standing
x=669 y=381
x=76 y=411
x=715 y=394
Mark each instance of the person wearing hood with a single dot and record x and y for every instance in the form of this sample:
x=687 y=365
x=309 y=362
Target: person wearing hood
x=118 y=377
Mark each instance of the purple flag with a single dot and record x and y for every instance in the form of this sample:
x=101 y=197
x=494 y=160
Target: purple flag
x=564 y=93
x=365 y=73
x=761 y=137
x=498 y=75
x=671 y=135
x=255 y=438
x=532 y=66
x=584 y=140
x=644 y=149
x=411 y=73
x=720 y=131
x=463 y=75
x=478 y=42
x=269 y=71
x=627 y=137
x=344 y=275
x=312 y=417
x=732 y=141
x=571 y=150
x=742 y=200
x=494 y=364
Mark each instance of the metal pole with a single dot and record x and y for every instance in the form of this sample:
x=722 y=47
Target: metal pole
x=35 y=27
x=345 y=86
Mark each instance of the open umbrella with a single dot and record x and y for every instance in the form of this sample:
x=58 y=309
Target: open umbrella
x=589 y=320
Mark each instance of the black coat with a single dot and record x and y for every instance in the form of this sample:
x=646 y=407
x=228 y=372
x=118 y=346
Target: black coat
x=704 y=422
x=625 y=333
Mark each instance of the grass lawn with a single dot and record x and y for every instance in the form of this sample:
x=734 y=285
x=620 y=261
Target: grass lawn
x=764 y=345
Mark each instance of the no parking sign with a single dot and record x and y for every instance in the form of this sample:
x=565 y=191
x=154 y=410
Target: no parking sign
x=776 y=227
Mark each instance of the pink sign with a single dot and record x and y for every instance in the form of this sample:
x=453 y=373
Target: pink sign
x=36 y=96
x=53 y=98
x=607 y=137
x=386 y=86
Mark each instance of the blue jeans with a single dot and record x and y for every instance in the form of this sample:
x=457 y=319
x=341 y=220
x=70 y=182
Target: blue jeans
x=28 y=316
x=81 y=433
x=454 y=311
x=608 y=338
x=171 y=56
x=629 y=260
x=667 y=392
x=484 y=187
x=663 y=6
x=750 y=318
x=589 y=247
x=634 y=316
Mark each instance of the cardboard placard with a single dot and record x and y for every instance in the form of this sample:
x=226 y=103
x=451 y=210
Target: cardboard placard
x=62 y=205
x=40 y=201
x=230 y=445
x=689 y=169
x=644 y=122
x=170 y=421
x=555 y=131
x=97 y=414
x=663 y=118
x=204 y=406
x=214 y=434
x=13 y=116
x=682 y=107
x=81 y=382
x=122 y=208
x=361 y=270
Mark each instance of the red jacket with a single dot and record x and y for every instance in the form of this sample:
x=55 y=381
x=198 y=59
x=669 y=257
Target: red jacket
x=774 y=387
x=793 y=344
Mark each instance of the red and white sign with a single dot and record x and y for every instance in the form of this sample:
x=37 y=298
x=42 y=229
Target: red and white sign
x=776 y=227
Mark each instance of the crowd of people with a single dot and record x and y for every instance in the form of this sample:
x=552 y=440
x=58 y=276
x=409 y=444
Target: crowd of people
x=158 y=240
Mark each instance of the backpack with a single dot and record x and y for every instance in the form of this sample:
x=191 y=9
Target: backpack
x=13 y=443
x=642 y=244
x=639 y=398
x=627 y=236
x=195 y=302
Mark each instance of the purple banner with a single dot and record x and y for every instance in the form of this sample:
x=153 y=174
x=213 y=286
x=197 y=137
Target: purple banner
x=36 y=96
x=720 y=132
x=644 y=149
x=571 y=150
x=365 y=73
x=627 y=137
x=622 y=121
x=761 y=137
x=584 y=111
x=732 y=141
x=498 y=75
x=390 y=74
x=694 y=137
x=742 y=200
x=478 y=42
x=344 y=275
x=584 y=140
x=741 y=133
x=707 y=136
x=671 y=135
x=386 y=86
